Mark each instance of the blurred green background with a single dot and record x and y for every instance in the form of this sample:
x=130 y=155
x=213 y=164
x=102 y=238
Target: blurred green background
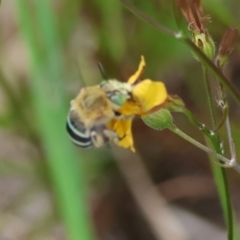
x=50 y=189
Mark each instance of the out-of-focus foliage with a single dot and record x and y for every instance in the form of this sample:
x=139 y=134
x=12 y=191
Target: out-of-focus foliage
x=104 y=31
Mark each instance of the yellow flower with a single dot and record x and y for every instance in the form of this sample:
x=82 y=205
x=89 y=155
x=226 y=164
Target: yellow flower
x=147 y=96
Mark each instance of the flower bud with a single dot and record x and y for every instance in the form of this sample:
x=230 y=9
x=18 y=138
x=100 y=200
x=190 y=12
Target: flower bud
x=205 y=43
x=174 y=104
x=159 y=120
x=227 y=44
x=193 y=12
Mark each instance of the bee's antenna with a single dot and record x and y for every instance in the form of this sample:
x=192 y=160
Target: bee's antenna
x=103 y=73
x=80 y=74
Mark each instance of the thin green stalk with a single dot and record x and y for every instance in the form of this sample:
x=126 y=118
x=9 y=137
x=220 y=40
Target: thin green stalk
x=209 y=96
x=222 y=102
x=148 y=19
x=50 y=104
x=220 y=173
x=199 y=145
x=223 y=119
x=230 y=139
x=210 y=135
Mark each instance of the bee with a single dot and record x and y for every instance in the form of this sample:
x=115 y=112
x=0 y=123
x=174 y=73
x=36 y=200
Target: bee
x=90 y=112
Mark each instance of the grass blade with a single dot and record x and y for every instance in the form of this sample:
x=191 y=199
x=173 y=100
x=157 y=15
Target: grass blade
x=41 y=36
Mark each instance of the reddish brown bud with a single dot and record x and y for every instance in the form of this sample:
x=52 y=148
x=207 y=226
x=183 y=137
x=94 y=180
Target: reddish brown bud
x=229 y=39
x=192 y=10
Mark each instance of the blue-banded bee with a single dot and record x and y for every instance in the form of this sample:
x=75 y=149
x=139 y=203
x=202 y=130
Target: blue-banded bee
x=92 y=109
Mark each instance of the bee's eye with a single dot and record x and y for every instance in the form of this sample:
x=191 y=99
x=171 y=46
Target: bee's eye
x=118 y=98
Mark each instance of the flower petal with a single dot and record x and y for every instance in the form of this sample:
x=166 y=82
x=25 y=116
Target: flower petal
x=139 y=72
x=149 y=94
x=130 y=108
x=123 y=128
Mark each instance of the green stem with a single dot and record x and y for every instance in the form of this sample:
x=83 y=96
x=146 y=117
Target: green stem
x=222 y=101
x=148 y=19
x=200 y=126
x=219 y=173
x=199 y=145
x=223 y=119
x=230 y=139
x=210 y=135
x=209 y=95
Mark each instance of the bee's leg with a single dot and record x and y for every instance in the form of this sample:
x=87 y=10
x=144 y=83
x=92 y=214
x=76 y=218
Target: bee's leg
x=119 y=115
x=97 y=139
x=121 y=138
x=111 y=135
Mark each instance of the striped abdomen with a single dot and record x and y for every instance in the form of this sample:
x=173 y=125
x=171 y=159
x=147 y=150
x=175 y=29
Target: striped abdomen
x=78 y=133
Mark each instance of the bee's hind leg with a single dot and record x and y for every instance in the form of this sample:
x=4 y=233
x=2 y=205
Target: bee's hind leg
x=113 y=136
x=97 y=139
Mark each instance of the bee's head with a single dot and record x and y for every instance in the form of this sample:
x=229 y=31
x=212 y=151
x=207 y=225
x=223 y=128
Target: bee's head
x=118 y=92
